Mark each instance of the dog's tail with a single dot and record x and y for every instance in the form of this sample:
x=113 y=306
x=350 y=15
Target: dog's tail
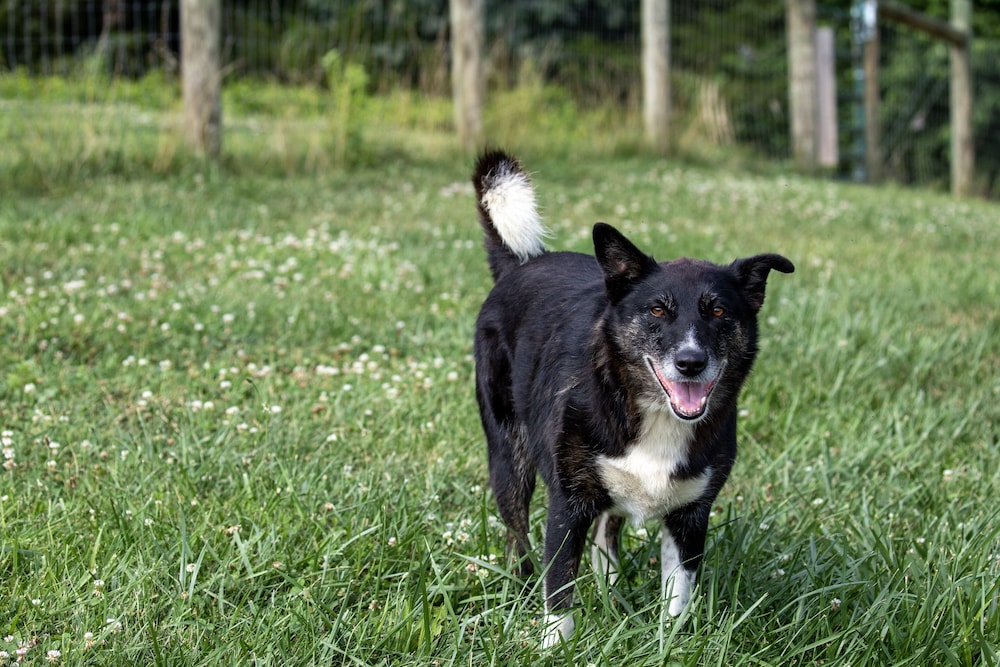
x=507 y=212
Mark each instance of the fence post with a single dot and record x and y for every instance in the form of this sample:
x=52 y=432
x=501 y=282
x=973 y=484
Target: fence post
x=962 y=151
x=656 y=72
x=827 y=153
x=467 y=70
x=201 y=26
x=873 y=97
x=800 y=19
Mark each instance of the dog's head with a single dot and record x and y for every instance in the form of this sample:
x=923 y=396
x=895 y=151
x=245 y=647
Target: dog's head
x=686 y=329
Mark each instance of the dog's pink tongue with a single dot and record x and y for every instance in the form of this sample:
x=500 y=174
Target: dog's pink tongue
x=689 y=397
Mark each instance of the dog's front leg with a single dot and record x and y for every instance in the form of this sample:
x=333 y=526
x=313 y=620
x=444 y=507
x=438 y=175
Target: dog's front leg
x=604 y=550
x=682 y=547
x=565 y=537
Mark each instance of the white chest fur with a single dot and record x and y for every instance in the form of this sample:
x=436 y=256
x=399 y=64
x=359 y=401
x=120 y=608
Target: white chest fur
x=643 y=483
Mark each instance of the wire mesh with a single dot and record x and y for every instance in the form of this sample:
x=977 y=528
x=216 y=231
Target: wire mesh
x=729 y=62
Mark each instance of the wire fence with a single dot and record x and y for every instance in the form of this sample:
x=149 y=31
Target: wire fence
x=729 y=63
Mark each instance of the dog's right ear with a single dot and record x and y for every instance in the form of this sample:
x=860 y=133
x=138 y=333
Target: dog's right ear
x=623 y=263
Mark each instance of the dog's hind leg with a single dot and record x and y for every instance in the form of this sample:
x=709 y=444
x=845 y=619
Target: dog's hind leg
x=565 y=539
x=513 y=480
x=512 y=474
x=604 y=547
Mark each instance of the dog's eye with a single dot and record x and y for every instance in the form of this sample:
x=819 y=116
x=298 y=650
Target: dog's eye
x=718 y=311
x=657 y=311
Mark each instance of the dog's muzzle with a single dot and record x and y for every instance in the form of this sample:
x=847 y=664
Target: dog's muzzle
x=688 y=397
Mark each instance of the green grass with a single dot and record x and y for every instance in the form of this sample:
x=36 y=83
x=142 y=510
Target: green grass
x=60 y=130
x=239 y=424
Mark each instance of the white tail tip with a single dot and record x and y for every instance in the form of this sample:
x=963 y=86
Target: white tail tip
x=510 y=202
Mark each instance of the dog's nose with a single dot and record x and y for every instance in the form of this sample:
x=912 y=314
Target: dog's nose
x=690 y=361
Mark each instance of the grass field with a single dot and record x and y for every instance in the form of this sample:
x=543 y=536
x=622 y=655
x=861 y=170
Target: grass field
x=239 y=427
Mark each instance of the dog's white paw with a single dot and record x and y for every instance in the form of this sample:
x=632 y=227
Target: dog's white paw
x=676 y=599
x=558 y=628
x=676 y=580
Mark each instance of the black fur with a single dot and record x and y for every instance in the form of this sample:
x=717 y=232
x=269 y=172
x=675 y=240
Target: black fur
x=565 y=349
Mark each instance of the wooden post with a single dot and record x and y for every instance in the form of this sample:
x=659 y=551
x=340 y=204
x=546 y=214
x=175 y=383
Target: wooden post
x=958 y=34
x=962 y=151
x=467 y=79
x=828 y=154
x=656 y=72
x=873 y=99
x=201 y=22
x=800 y=19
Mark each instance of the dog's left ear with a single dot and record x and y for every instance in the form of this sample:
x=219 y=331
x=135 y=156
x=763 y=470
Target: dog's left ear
x=623 y=263
x=752 y=272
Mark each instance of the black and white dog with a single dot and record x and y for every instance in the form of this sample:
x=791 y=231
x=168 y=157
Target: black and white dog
x=615 y=378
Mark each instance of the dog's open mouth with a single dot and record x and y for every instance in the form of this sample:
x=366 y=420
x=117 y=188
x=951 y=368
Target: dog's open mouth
x=688 y=400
